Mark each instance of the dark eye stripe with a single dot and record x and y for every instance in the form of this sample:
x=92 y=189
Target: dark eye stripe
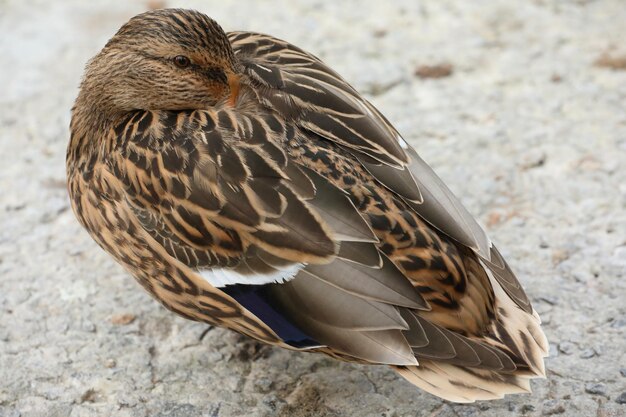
x=216 y=74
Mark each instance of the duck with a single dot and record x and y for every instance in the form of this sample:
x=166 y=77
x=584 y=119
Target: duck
x=246 y=185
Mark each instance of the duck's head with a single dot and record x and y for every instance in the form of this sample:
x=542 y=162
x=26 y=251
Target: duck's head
x=169 y=59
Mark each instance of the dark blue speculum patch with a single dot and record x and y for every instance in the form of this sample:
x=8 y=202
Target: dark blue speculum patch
x=258 y=300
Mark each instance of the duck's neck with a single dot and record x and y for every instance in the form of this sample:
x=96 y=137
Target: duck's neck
x=89 y=129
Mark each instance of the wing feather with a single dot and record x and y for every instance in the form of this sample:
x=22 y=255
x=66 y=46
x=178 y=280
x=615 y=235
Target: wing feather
x=319 y=100
x=331 y=108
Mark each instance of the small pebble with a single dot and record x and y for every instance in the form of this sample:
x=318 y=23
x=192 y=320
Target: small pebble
x=551 y=407
x=623 y=372
x=614 y=62
x=567 y=348
x=380 y=33
x=588 y=353
x=595 y=388
x=123 y=319
x=621 y=399
x=441 y=70
x=559 y=255
x=88 y=327
x=534 y=158
x=110 y=363
x=582 y=276
x=263 y=385
x=273 y=402
x=89 y=396
x=526 y=408
x=618 y=323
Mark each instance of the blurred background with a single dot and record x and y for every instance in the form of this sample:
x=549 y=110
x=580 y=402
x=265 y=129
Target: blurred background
x=519 y=106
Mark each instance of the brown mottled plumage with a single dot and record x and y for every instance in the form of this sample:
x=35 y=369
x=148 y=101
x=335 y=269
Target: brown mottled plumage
x=247 y=185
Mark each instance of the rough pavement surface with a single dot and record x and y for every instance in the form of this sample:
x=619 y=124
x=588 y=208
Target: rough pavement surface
x=519 y=106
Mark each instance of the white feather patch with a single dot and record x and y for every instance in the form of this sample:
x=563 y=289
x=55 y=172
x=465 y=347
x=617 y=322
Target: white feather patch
x=220 y=277
x=402 y=142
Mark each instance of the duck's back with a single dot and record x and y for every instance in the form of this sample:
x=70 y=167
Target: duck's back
x=483 y=337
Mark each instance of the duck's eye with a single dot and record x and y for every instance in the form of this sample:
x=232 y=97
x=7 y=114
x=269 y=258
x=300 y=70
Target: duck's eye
x=182 y=61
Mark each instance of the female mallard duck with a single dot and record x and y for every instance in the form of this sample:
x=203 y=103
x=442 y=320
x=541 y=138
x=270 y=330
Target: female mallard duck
x=245 y=184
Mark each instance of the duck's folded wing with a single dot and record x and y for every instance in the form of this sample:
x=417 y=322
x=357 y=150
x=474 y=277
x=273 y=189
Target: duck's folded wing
x=199 y=194
x=224 y=200
x=233 y=209
x=316 y=98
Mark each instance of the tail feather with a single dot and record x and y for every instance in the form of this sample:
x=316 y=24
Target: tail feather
x=518 y=334
x=463 y=385
x=514 y=332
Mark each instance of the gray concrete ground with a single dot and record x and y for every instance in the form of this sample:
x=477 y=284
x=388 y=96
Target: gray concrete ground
x=526 y=122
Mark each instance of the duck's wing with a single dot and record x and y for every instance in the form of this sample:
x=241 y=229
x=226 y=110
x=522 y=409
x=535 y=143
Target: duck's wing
x=317 y=100
x=315 y=97
x=218 y=195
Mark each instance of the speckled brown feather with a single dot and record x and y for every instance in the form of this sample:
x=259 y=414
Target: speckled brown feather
x=280 y=166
